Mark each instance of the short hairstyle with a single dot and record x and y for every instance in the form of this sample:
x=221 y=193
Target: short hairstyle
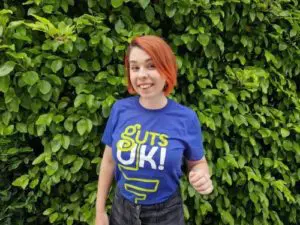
x=162 y=56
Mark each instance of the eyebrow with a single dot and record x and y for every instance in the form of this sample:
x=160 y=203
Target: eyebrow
x=134 y=61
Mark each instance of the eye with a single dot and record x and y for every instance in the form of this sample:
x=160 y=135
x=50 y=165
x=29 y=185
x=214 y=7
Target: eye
x=151 y=66
x=134 y=68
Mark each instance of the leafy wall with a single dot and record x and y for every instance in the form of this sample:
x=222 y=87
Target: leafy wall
x=61 y=69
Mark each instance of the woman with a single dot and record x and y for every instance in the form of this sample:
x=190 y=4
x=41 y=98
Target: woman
x=146 y=137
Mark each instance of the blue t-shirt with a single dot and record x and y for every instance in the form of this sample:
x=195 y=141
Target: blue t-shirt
x=148 y=147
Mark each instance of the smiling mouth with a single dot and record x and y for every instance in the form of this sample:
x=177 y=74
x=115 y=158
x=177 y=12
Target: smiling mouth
x=145 y=86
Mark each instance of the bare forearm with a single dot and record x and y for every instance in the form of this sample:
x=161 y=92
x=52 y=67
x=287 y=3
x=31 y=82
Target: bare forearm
x=105 y=180
x=199 y=176
x=198 y=165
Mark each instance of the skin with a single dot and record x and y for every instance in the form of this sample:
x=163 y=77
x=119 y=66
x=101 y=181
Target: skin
x=143 y=72
x=104 y=184
x=149 y=85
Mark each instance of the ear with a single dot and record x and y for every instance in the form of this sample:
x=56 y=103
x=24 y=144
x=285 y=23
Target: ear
x=165 y=87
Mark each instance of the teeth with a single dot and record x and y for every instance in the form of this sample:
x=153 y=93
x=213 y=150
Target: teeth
x=144 y=86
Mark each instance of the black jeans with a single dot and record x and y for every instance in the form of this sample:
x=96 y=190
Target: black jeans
x=125 y=212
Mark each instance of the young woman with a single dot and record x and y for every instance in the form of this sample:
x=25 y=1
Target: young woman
x=146 y=137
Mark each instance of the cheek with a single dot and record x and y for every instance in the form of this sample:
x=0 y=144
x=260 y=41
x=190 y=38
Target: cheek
x=132 y=77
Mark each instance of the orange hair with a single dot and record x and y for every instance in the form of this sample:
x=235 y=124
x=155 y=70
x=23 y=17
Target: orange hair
x=162 y=56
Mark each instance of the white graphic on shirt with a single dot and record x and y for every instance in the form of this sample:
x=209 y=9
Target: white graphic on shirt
x=140 y=155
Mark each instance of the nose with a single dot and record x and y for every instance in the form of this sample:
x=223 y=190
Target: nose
x=142 y=73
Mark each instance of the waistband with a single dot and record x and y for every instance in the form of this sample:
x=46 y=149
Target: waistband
x=174 y=199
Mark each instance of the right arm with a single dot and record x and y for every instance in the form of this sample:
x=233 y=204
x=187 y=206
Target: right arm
x=104 y=183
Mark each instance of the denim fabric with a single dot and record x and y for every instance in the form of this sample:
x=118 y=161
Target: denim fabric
x=125 y=212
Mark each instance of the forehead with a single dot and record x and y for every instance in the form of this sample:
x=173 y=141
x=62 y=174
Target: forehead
x=138 y=55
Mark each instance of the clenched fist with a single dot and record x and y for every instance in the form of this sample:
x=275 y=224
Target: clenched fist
x=201 y=181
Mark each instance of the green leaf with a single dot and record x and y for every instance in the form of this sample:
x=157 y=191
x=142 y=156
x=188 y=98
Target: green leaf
x=218 y=143
x=30 y=77
x=82 y=126
x=21 y=127
x=39 y=159
x=89 y=125
x=244 y=40
x=4 y=84
x=220 y=43
x=116 y=3
x=101 y=76
x=80 y=44
x=203 y=39
x=65 y=141
x=268 y=162
x=264 y=132
x=107 y=42
x=55 y=145
x=69 y=70
x=226 y=147
x=284 y=132
x=53 y=217
x=186 y=212
x=40 y=129
x=170 y=11
x=95 y=65
x=191 y=191
x=80 y=99
x=68 y=124
x=119 y=26
x=82 y=63
x=34 y=183
x=254 y=197
x=21 y=181
x=144 y=3
x=227 y=217
x=90 y=101
x=68 y=159
x=215 y=18
x=150 y=14
x=58 y=118
x=48 y=211
x=241 y=161
x=56 y=65
x=77 y=164
x=44 y=86
x=270 y=57
x=52 y=168
x=191 y=88
x=6 y=117
x=48 y=9
x=293 y=32
x=240 y=119
x=70 y=220
x=282 y=46
x=44 y=119
x=254 y=123
x=203 y=83
x=74 y=197
x=6 y=68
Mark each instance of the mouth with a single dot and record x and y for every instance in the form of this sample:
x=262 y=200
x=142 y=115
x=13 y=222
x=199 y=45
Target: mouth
x=145 y=86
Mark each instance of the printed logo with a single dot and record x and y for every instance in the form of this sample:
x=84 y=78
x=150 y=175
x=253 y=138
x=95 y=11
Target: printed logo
x=142 y=149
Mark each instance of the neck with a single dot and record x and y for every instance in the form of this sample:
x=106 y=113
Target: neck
x=154 y=102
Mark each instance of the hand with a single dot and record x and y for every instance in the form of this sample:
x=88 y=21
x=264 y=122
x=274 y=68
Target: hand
x=201 y=181
x=102 y=219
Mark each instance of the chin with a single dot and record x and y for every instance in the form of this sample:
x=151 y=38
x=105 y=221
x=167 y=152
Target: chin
x=143 y=95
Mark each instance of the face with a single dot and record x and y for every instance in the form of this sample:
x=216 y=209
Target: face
x=144 y=77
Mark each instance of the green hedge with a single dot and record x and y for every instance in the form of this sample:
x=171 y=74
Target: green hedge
x=61 y=69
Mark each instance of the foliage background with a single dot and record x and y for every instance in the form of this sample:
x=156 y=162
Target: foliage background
x=61 y=69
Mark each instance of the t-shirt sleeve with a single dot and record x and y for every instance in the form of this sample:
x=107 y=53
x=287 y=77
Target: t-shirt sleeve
x=110 y=126
x=194 y=144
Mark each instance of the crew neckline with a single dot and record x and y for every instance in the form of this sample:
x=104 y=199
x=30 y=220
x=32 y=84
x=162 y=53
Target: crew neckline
x=137 y=100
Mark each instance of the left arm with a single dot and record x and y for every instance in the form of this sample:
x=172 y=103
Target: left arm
x=199 y=177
